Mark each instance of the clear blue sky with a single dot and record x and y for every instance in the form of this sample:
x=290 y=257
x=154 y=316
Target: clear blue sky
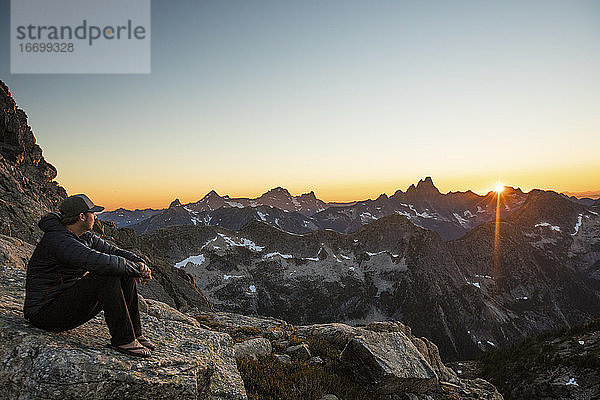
x=347 y=98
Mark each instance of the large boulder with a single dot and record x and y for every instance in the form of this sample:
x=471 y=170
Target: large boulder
x=188 y=363
x=427 y=349
x=390 y=362
x=253 y=348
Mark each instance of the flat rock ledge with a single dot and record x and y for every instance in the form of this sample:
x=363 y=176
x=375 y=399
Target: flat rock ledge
x=188 y=363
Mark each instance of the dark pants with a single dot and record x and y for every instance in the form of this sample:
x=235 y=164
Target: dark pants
x=116 y=295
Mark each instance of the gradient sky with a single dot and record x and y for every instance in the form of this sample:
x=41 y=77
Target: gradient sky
x=347 y=98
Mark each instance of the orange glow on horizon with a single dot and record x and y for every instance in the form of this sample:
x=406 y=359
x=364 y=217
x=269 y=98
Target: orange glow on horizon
x=158 y=194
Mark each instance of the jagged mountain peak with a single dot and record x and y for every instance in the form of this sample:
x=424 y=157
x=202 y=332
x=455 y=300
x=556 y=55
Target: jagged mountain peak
x=277 y=191
x=382 y=196
x=309 y=195
x=175 y=203
x=425 y=187
x=211 y=195
x=512 y=190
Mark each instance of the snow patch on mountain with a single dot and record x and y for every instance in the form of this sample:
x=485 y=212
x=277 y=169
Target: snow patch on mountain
x=461 y=220
x=262 y=216
x=553 y=227
x=366 y=216
x=572 y=382
x=271 y=255
x=198 y=260
x=578 y=224
x=244 y=243
x=208 y=242
x=226 y=277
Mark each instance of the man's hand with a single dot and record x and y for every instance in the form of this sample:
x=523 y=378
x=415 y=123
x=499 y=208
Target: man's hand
x=145 y=271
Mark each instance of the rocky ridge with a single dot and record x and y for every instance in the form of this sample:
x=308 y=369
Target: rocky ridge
x=27 y=186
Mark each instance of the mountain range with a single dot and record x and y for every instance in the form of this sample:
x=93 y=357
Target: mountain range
x=452 y=214
x=440 y=263
x=547 y=273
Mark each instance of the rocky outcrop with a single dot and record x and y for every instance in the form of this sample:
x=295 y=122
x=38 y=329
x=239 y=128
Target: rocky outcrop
x=189 y=363
x=27 y=186
x=389 y=359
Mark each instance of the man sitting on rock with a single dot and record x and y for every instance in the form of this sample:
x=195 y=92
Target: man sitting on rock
x=73 y=275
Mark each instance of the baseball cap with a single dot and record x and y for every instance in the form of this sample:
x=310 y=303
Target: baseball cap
x=77 y=204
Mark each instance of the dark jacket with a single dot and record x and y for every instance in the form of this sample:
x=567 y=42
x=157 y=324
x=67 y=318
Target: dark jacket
x=61 y=258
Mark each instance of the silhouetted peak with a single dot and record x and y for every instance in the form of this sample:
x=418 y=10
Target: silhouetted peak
x=211 y=195
x=397 y=192
x=382 y=196
x=309 y=195
x=424 y=187
x=511 y=190
x=278 y=191
x=175 y=203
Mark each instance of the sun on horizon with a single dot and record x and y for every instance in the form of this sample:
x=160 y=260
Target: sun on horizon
x=499 y=188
